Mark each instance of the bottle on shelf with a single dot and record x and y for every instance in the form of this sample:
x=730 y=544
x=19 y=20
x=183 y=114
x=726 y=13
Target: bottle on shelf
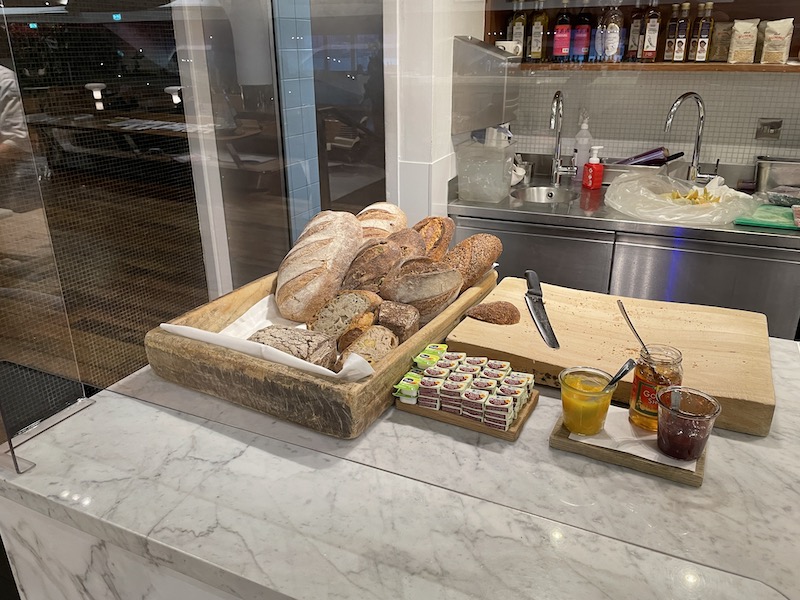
x=695 y=33
x=652 y=31
x=682 y=34
x=614 y=34
x=637 y=19
x=582 y=34
x=537 y=42
x=562 y=34
x=672 y=33
x=704 y=35
x=598 y=44
x=518 y=26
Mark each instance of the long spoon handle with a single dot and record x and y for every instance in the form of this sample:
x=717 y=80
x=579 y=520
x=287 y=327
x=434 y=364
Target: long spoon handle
x=630 y=323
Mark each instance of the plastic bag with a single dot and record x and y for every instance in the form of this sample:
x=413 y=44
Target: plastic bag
x=648 y=197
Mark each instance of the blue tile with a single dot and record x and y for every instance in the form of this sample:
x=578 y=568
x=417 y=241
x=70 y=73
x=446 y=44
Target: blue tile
x=310 y=144
x=309 y=116
x=314 y=197
x=295 y=149
x=297 y=175
x=289 y=68
x=302 y=9
x=313 y=171
x=305 y=63
x=285 y=8
x=286 y=34
x=303 y=33
x=292 y=121
x=290 y=93
x=299 y=202
x=307 y=91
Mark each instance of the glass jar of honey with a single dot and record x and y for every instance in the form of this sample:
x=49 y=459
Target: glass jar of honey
x=658 y=367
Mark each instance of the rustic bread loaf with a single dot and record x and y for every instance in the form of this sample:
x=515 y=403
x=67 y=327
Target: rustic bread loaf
x=400 y=319
x=410 y=241
x=371 y=265
x=339 y=313
x=381 y=219
x=437 y=233
x=375 y=343
x=312 y=346
x=312 y=272
x=358 y=326
x=499 y=313
x=427 y=285
x=474 y=256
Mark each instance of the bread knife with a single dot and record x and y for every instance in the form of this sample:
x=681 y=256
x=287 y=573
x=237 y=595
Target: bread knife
x=533 y=298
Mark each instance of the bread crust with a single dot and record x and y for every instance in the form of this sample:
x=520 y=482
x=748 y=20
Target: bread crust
x=410 y=242
x=425 y=284
x=499 y=313
x=381 y=219
x=374 y=261
x=474 y=256
x=437 y=232
x=400 y=319
x=312 y=272
x=375 y=343
x=311 y=346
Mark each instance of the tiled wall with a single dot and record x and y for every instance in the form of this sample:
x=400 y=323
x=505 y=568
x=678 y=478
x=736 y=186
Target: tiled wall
x=296 y=85
x=628 y=110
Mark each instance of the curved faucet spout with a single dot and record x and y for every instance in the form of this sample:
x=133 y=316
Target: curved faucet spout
x=694 y=168
x=556 y=119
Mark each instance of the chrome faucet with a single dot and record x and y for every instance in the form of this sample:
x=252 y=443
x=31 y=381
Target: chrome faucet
x=694 y=168
x=556 y=118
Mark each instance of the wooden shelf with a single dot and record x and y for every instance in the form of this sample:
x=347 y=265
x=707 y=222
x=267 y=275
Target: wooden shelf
x=793 y=67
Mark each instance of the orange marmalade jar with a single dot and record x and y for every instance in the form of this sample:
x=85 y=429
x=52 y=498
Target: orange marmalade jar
x=658 y=367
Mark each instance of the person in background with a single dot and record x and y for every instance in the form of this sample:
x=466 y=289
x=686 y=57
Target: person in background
x=15 y=151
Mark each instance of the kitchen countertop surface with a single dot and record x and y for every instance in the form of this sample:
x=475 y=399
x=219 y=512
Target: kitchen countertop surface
x=415 y=508
x=588 y=211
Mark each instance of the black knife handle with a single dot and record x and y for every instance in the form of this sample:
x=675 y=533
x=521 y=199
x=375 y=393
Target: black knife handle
x=533 y=280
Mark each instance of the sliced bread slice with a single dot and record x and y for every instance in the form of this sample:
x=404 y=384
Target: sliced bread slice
x=372 y=345
x=337 y=316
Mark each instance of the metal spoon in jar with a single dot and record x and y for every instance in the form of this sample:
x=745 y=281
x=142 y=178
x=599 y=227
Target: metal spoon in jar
x=630 y=324
x=624 y=370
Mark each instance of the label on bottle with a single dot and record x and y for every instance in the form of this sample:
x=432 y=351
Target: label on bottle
x=612 y=42
x=704 y=42
x=651 y=40
x=644 y=396
x=669 y=49
x=633 y=42
x=680 y=43
x=580 y=41
x=518 y=32
x=598 y=51
x=562 y=40
x=537 y=38
x=693 y=41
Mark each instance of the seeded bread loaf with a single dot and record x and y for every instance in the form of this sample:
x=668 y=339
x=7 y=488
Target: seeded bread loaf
x=400 y=319
x=357 y=326
x=338 y=314
x=411 y=243
x=437 y=233
x=474 y=256
x=375 y=343
x=312 y=346
x=499 y=313
x=427 y=285
x=381 y=219
x=311 y=274
x=371 y=265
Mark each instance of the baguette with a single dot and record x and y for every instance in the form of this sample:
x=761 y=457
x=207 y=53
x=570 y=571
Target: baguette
x=427 y=285
x=381 y=219
x=474 y=256
x=371 y=265
x=311 y=274
x=437 y=233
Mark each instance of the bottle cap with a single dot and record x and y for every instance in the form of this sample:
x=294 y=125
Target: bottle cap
x=595 y=158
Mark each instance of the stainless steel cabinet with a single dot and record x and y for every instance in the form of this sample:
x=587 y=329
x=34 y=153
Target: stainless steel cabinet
x=567 y=256
x=748 y=277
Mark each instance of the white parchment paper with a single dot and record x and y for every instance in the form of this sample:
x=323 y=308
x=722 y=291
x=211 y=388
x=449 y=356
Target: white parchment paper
x=263 y=314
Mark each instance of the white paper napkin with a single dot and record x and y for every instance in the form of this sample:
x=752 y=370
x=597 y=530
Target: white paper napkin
x=263 y=314
x=620 y=434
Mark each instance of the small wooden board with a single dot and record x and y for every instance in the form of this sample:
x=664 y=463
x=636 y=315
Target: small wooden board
x=559 y=439
x=725 y=352
x=445 y=417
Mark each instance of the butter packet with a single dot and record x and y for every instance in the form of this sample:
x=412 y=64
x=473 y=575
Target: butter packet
x=439 y=349
x=425 y=359
x=408 y=385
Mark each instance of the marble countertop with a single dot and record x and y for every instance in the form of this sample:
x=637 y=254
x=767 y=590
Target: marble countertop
x=415 y=508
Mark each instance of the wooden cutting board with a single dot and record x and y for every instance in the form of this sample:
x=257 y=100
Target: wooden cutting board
x=725 y=352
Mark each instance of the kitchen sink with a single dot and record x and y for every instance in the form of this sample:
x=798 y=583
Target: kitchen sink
x=545 y=195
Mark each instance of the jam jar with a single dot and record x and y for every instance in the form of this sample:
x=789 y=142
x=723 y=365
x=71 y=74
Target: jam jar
x=658 y=367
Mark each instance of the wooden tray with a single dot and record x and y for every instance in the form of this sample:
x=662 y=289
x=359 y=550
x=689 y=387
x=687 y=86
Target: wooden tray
x=559 y=439
x=342 y=410
x=445 y=417
x=725 y=352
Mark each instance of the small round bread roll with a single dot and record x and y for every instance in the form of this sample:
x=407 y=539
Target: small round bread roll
x=381 y=219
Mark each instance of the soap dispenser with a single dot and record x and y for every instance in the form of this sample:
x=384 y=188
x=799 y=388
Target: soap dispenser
x=593 y=171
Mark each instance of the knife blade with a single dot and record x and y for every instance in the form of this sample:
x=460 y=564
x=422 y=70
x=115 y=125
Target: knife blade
x=533 y=298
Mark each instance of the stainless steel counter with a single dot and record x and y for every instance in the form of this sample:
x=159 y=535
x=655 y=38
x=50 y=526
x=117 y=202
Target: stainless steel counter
x=585 y=245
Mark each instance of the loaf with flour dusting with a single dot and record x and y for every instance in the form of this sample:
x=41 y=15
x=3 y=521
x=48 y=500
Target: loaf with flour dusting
x=311 y=274
x=382 y=219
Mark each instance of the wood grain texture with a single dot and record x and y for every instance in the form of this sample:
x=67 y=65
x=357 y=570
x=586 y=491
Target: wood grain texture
x=342 y=410
x=445 y=417
x=725 y=352
x=559 y=439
